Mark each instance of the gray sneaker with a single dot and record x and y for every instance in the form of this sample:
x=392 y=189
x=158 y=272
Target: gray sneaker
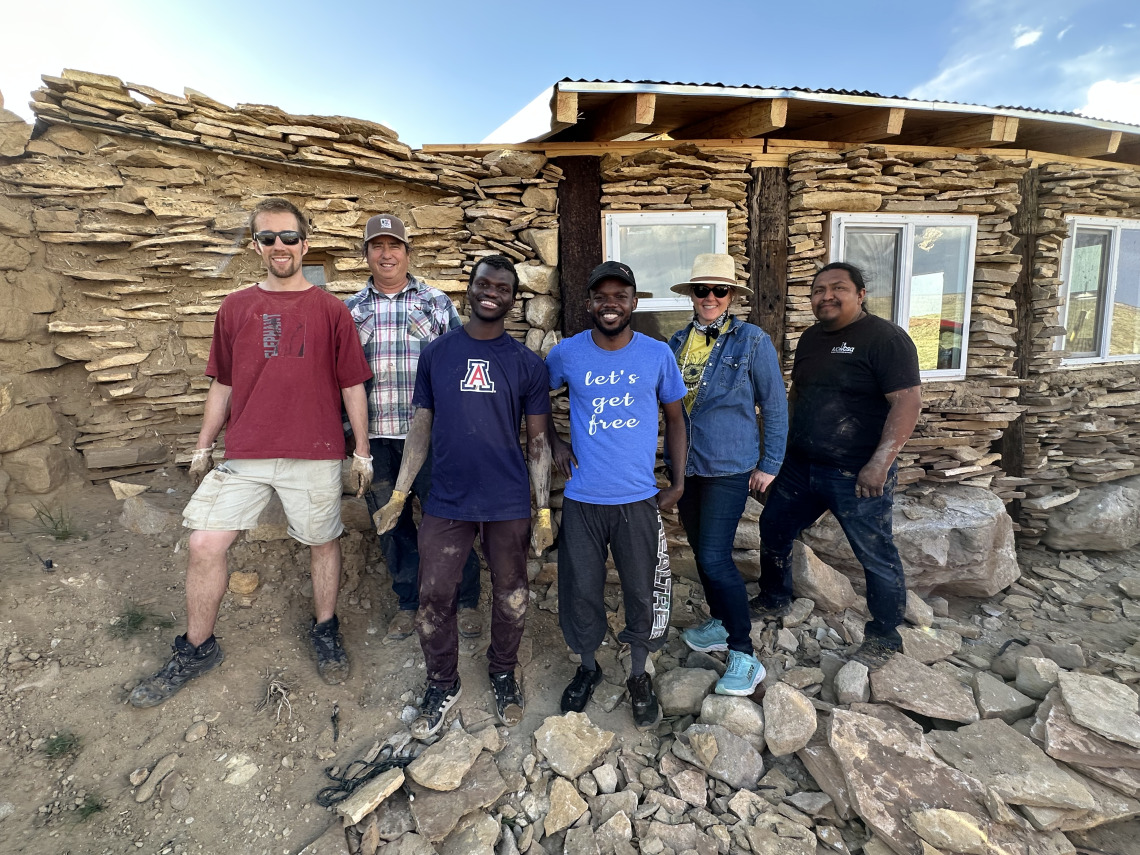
x=437 y=701
x=332 y=661
x=187 y=663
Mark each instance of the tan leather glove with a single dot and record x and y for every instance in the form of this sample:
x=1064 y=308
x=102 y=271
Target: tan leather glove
x=385 y=518
x=542 y=532
x=201 y=463
x=360 y=476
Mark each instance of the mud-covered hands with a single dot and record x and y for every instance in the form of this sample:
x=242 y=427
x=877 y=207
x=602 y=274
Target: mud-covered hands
x=201 y=462
x=360 y=475
x=385 y=519
x=542 y=532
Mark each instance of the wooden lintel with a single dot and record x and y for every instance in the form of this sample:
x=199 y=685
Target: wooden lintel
x=1078 y=142
x=563 y=110
x=870 y=125
x=979 y=132
x=754 y=119
x=626 y=114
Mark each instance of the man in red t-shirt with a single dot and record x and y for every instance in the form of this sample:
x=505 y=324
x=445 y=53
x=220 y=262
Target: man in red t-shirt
x=285 y=354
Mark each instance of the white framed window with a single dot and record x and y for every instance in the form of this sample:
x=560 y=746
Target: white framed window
x=660 y=247
x=1100 y=275
x=919 y=272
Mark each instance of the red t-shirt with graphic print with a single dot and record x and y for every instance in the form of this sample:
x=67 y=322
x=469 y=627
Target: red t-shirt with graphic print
x=286 y=355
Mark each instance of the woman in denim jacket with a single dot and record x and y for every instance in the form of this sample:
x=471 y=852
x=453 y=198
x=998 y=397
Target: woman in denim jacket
x=730 y=368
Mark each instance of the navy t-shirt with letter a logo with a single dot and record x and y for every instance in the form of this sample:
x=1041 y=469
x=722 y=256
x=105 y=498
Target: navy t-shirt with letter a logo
x=479 y=392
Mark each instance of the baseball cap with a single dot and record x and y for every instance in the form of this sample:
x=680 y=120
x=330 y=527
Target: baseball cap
x=385 y=224
x=611 y=270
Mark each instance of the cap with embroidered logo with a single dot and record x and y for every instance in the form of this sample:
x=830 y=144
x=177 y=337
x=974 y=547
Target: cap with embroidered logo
x=385 y=224
x=611 y=270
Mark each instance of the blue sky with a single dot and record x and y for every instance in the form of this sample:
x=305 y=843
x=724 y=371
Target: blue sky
x=452 y=72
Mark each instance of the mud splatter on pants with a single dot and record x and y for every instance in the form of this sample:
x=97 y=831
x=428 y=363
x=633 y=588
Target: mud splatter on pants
x=444 y=546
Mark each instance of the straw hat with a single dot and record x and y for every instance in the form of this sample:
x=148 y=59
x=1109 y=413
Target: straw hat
x=712 y=268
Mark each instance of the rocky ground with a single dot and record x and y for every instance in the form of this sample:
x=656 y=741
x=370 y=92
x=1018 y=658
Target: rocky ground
x=940 y=752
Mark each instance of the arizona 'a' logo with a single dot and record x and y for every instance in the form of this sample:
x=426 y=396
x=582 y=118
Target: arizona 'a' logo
x=478 y=377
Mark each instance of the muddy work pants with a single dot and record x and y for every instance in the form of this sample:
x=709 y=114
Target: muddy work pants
x=444 y=546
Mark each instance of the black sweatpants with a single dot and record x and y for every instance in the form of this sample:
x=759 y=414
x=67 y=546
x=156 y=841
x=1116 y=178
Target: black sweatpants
x=635 y=535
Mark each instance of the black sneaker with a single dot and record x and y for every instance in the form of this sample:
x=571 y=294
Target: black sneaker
x=874 y=653
x=187 y=663
x=437 y=701
x=646 y=710
x=759 y=610
x=509 y=703
x=578 y=693
x=332 y=661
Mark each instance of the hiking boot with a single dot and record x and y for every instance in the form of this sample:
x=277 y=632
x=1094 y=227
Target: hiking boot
x=470 y=623
x=874 y=653
x=742 y=676
x=332 y=661
x=709 y=636
x=646 y=710
x=578 y=693
x=509 y=703
x=761 y=610
x=402 y=625
x=187 y=663
x=437 y=701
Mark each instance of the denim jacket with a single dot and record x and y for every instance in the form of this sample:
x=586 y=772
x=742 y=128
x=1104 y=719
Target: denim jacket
x=742 y=372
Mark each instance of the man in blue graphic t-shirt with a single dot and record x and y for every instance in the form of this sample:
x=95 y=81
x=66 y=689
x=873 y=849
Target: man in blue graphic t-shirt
x=617 y=380
x=474 y=386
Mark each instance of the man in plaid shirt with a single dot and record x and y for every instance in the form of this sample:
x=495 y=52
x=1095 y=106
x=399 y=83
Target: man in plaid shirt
x=396 y=315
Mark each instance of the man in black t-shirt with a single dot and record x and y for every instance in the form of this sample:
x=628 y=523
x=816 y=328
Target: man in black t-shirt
x=854 y=401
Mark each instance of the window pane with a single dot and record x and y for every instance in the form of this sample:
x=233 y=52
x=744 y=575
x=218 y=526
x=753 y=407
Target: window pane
x=876 y=253
x=1125 y=337
x=1087 y=277
x=663 y=255
x=940 y=258
x=315 y=274
x=660 y=325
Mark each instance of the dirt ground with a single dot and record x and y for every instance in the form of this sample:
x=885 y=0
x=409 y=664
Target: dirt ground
x=67 y=664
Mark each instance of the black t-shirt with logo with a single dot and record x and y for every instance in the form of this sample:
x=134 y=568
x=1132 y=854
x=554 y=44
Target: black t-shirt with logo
x=841 y=381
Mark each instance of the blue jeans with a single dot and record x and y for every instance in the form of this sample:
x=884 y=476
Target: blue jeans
x=399 y=545
x=801 y=493
x=710 y=509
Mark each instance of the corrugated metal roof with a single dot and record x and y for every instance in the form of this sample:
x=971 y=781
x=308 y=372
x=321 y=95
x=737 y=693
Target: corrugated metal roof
x=858 y=93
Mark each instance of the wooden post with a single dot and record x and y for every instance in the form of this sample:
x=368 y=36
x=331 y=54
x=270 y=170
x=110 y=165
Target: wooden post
x=768 y=250
x=579 y=235
x=1024 y=225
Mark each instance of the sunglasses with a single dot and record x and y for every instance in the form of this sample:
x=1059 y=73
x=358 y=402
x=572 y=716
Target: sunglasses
x=702 y=291
x=290 y=238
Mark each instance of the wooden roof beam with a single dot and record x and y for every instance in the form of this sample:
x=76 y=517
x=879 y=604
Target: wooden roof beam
x=563 y=110
x=754 y=119
x=869 y=125
x=976 y=132
x=626 y=114
x=1075 y=142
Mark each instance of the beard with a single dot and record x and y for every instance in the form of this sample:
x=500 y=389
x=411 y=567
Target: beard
x=613 y=332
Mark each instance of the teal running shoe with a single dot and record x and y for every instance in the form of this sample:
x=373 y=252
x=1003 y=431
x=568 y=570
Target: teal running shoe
x=709 y=636
x=742 y=676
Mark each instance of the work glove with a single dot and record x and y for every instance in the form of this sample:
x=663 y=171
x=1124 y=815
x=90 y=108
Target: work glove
x=385 y=518
x=542 y=534
x=201 y=462
x=360 y=476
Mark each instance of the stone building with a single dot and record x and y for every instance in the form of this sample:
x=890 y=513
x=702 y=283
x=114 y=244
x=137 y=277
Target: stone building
x=1006 y=240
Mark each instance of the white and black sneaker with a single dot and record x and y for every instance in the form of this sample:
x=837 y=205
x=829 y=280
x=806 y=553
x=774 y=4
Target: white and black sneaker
x=437 y=701
x=509 y=703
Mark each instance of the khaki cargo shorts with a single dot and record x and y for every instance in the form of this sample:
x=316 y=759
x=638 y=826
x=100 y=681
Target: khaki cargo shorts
x=232 y=497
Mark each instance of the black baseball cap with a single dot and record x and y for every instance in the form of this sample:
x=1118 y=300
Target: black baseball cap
x=611 y=270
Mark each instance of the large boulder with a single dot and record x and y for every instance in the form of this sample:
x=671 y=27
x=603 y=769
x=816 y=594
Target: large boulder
x=1104 y=517
x=965 y=548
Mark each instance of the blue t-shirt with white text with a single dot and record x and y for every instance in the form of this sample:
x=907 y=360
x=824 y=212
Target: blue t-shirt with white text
x=614 y=401
x=479 y=391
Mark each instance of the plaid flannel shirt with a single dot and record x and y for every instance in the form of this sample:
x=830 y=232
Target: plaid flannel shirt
x=393 y=329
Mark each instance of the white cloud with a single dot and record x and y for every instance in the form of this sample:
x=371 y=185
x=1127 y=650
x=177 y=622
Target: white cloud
x=1061 y=34
x=1115 y=100
x=1025 y=39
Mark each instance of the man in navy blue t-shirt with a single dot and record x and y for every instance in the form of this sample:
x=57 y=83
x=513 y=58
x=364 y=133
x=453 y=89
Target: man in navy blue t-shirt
x=617 y=380
x=474 y=386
